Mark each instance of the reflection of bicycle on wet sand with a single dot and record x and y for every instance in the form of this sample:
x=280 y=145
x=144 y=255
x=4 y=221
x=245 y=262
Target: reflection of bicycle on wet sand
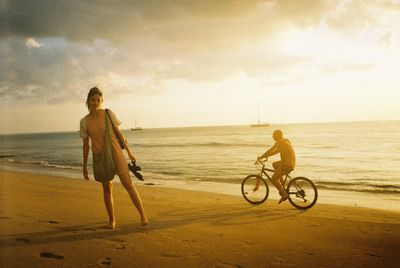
x=302 y=192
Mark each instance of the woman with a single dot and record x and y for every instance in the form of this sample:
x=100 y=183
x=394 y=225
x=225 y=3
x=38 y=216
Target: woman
x=93 y=126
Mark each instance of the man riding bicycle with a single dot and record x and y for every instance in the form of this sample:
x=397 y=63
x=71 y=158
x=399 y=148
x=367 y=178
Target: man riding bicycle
x=285 y=165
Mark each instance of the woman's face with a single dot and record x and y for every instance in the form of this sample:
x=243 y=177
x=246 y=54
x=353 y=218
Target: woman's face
x=95 y=102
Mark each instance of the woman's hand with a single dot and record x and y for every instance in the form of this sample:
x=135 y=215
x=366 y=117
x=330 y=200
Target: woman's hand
x=131 y=157
x=85 y=173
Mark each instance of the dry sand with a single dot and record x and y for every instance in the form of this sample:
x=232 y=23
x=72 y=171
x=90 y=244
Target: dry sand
x=58 y=222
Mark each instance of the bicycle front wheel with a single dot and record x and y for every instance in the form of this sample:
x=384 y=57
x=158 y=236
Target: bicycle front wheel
x=255 y=189
x=302 y=193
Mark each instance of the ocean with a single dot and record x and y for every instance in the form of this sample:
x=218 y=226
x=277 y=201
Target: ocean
x=355 y=163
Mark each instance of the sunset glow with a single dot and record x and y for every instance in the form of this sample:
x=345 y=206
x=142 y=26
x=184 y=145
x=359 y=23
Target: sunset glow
x=209 y=64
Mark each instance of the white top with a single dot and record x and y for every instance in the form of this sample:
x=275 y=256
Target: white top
x=83 y=127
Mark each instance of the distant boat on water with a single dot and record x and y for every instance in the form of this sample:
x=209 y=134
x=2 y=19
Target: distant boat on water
x=259 y=124
x=136 y=128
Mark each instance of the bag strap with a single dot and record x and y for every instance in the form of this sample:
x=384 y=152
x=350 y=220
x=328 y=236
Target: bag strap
x=116 y=133
x=107 y=132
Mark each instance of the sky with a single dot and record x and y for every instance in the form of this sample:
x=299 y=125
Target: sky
x=198 y=63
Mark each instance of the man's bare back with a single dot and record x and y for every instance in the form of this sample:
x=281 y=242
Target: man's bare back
x=286 y=151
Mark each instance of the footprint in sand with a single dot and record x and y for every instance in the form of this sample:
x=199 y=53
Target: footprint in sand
x=89 y=229
x=170 y=255
x=227 y=265
x=119 y=246
x=117 y=240
x=51 y=255
x=247 y=245
x=22 y=240
x=105 y=262
x=372 y=255
x=117 y=243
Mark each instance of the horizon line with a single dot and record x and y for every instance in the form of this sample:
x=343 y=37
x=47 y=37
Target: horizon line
x=205 y=126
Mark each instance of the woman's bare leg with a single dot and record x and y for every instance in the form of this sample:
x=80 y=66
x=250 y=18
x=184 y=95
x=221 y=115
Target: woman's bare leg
x=134 y=195
x=108 y=201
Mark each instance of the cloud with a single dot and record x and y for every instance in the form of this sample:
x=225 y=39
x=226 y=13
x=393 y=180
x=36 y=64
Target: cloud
x=32 y=43
x=133 y=46
x=138 y=46
x=350 y=16
x=63 y=71
x=36 y=74
x=390 y=5
x=122 y=21
x=386 y=39
x=178 y=23
x=3 y=17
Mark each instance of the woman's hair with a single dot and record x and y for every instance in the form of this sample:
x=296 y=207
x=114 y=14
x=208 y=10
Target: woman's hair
x=93 y=91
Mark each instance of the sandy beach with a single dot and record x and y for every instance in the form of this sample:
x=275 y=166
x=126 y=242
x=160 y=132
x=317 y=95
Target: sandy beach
x=58 y=222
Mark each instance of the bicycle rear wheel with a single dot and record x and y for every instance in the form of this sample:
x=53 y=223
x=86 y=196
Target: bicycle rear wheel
x=255 y=189
x=302 y=193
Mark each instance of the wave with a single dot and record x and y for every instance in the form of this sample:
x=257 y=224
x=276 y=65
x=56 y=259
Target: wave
x=42 y=163
x=376 y=191
x=171 y=173
x=388 y=186
x=47 y=164
x=359 y=187
x=323 y=146
x=7 y=156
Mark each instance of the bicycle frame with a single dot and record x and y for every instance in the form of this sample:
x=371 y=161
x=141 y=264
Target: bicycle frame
x=264 y=170
x=302 y=192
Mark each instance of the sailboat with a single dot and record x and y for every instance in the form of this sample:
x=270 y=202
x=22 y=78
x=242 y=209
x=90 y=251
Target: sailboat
x=136 y=128
x=259 y=124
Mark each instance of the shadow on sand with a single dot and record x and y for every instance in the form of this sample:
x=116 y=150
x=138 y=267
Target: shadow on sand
x=213 y=215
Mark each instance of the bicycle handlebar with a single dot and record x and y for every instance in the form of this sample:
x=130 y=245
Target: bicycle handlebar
x=260 y=161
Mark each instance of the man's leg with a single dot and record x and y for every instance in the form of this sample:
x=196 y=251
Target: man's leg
x=277 y=176
x=276 y=180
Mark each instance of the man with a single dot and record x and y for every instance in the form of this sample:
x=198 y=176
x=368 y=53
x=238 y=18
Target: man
x=283 y=167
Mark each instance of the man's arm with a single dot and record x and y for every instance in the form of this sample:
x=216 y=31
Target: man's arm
x=271 y=151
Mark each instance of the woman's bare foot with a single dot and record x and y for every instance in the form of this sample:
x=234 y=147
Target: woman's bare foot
x=145 y=221
x=112 y=224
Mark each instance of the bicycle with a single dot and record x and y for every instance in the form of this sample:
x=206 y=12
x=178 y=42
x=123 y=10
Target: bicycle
x=302 y=192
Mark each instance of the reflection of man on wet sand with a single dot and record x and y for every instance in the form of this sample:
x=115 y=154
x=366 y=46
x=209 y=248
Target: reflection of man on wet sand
x=283 y=167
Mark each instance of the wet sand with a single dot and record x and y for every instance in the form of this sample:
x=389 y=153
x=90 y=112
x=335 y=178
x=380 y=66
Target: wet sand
x=58 y=222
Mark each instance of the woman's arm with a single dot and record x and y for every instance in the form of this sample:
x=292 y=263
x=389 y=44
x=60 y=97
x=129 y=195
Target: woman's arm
x=122 y=138
x=118 y=131
x=85 y=157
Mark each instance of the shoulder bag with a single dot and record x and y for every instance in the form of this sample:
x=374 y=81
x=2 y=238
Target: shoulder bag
x=103 y=163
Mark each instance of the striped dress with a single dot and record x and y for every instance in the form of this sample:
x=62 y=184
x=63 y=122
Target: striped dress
x=94 y=128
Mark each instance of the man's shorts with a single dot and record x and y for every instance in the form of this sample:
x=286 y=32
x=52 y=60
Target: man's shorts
x=281 y=169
